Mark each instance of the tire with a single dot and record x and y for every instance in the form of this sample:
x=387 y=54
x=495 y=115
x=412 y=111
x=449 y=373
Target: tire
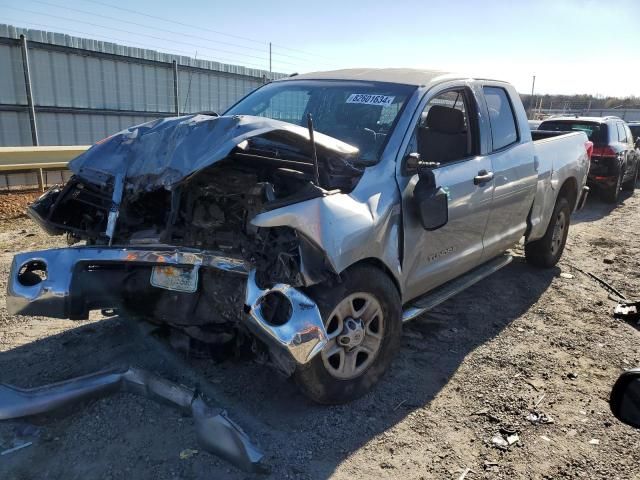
x=546 y=252
x=370 y=299
x=611 y=194
x=630 y=186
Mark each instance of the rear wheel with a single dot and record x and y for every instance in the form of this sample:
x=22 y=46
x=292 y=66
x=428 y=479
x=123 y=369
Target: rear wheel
x=611 y=194
x=630 y=186
x=362 y=316
x=546 y=252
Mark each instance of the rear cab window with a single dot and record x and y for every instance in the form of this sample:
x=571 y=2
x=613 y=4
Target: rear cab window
x=504 y=131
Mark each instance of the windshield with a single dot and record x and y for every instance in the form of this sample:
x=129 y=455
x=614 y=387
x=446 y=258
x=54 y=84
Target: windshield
x=595 y=131
x=362 y=114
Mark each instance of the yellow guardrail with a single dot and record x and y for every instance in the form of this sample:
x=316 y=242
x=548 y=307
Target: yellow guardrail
x=13 y=159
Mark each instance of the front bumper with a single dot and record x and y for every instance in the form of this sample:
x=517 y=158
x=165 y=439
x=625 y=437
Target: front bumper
x=52 y=292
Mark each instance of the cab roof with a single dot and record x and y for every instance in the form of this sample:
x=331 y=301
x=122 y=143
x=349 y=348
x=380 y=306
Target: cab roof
x=403 y=76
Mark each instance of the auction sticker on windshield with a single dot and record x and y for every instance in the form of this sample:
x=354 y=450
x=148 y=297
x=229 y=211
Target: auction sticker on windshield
x=368 y=99
x=175 y=278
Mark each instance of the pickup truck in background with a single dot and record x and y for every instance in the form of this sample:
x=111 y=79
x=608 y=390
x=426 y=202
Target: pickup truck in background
x=309 y=221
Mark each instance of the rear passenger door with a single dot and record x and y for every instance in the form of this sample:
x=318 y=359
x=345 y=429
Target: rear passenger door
x=634 y=153
x=626 y=152
x=514 y=169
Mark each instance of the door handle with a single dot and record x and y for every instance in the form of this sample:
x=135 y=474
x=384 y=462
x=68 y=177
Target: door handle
x=482 y=177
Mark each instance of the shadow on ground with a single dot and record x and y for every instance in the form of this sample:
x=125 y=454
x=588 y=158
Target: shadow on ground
x=595 y=208
x=115 y=437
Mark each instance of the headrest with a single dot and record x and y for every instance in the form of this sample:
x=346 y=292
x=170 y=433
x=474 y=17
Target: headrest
x=445 y=119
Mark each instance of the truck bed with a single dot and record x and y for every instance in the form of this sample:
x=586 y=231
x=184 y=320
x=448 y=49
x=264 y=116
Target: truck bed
x=556 y=154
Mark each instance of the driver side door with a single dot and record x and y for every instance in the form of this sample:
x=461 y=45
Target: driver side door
x=447 y=132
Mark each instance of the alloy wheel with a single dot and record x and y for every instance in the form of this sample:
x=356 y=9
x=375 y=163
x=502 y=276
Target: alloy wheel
x=355 y=329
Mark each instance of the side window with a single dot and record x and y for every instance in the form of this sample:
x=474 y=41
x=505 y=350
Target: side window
x=622 y=134
x=630 y=138
x=501 y=117
x=443 y=134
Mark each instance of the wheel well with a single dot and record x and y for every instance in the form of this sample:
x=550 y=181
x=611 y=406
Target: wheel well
x=379 y=264
x=569 y=190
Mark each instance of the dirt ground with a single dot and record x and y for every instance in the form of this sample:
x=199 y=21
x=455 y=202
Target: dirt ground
x=478 y=365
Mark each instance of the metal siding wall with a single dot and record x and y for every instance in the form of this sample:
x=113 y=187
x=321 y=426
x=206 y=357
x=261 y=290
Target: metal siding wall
x=11 y=76
x=14 y=129
x=66 y=79
x=80 y=128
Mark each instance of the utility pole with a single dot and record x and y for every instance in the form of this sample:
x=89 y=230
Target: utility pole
x=270 y=57
x=533 y=85
x=30 y=104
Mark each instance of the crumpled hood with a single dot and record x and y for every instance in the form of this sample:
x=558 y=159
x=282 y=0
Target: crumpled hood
x=163 y=152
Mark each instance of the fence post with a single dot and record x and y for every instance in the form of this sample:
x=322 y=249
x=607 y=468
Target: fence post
x=175 y=88
x=31 y=107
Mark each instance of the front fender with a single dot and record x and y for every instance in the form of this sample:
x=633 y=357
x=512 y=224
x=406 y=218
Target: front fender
x=345 y=229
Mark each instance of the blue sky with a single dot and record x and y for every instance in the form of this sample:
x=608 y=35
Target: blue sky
x=571 y=46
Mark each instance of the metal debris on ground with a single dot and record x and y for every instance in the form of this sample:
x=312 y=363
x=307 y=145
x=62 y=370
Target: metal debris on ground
x=499 y=441
x=514 y=438
x=566 y=275
x=603 y=283
x=15 y=449
x=629 y=311
x=572 y=375
x=606 y=285
x=215 y=432
x=545 y=438
x=506 y=438
x=594 y=441
x=539 y=418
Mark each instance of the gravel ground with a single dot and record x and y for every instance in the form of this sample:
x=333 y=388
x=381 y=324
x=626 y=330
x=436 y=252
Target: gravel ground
x=475 y=367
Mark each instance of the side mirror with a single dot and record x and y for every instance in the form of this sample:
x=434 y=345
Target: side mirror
x=637 y=142
x=431 y=202
x=414 y=165
x=625 y=398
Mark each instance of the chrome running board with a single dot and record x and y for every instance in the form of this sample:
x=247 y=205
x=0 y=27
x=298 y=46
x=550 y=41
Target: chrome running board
x=444 y=292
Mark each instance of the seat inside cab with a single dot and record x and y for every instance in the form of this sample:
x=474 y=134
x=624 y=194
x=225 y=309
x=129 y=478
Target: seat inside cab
x=443 y=135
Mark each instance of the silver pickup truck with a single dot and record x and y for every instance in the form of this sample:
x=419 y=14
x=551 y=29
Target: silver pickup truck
x=310 y=220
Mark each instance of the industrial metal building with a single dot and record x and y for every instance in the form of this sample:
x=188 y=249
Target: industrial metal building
x=56 y=89
x=84 y=90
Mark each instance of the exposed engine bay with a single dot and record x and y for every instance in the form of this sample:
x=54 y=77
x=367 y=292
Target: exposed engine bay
x=207 y=210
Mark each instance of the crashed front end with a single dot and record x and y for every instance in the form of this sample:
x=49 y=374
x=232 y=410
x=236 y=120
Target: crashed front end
x=165 y=212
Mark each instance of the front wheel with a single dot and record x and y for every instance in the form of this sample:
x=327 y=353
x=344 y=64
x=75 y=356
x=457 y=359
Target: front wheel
x=362 y=316
x=546 y=252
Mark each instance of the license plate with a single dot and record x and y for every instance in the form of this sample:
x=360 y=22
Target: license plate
x=175 y=278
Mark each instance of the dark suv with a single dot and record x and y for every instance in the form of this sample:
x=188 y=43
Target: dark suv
x=635 y=131
x=615 y=162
